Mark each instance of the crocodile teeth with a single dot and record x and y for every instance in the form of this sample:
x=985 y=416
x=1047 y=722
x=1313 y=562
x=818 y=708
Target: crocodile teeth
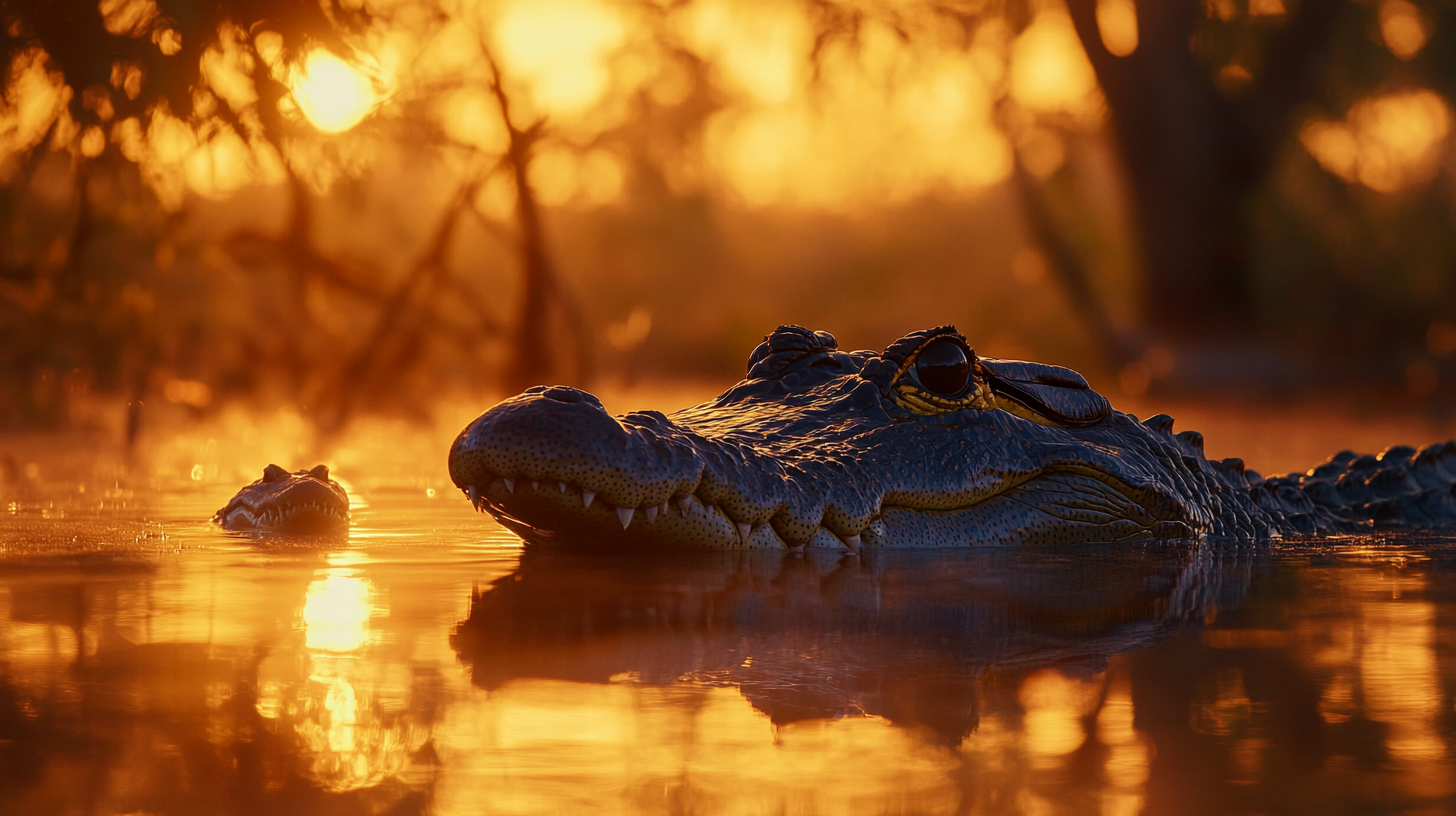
x=852 y=542
x=474 y=498
x=561 y=487
x=586 y=498
x=651 y=514
x=510 y=485
x=684 y=505
x=534 y=484
x=624 y=514
x=744 y=531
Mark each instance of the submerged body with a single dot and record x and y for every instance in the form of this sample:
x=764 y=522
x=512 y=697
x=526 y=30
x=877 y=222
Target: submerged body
x=306 y=501
x=923 y=445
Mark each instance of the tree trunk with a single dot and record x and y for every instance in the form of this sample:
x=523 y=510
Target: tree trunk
x=1194 y=158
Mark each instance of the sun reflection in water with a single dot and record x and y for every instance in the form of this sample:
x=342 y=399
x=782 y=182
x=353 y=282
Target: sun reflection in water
x=336 y=612
x=1055 y=705
x=344 y=711
x=1126 y=766
x=1398 y=673
x=544 y=746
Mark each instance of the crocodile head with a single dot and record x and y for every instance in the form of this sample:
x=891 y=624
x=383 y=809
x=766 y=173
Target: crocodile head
x=307 y=501
x=924 y=444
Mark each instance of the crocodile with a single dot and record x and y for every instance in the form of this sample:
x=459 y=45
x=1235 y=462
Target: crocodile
x=925 y=444
x=306 y=501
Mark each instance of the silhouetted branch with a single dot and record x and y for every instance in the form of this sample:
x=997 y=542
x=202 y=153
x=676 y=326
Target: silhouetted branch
x=404 y=313
x=530 y=358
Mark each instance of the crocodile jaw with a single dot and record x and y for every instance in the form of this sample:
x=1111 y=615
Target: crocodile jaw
x=555 y=512
x=304 y=505
x=551 y=464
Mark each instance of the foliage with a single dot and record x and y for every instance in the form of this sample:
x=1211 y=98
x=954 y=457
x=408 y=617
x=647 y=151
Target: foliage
x=1263 y=170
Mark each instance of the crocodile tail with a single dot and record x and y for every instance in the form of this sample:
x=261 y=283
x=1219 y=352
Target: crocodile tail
x=1401 y=488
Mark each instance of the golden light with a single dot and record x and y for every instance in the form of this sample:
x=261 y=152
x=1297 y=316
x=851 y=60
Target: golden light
x=220 y=166
x=1055 y=705
x=33 y=99
x=931 y=106
x=548 y=746
x=331 y=93
x=227 y=67
x=471 y=116
x=336 y=613
x=1126 y=765
x=1049 y=69
x=93 y=142
x=1117 y=24
x=759 y=50
x=342 y=707
x=1401 y=28
x=560 y=48
x=553 y=176
x=1400 y=680
x=1385 y=143
x=601 y=177
x=128 y=18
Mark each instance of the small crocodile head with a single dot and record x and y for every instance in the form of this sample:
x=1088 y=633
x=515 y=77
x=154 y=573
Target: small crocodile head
x=307 y=501
x=923 y=444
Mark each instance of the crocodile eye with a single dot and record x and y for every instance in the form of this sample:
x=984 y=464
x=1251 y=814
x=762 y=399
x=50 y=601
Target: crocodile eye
x=942 y=368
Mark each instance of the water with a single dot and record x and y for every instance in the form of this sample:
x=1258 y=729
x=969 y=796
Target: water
x=424 y=663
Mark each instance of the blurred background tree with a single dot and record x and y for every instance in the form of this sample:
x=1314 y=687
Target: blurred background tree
x=365 y=205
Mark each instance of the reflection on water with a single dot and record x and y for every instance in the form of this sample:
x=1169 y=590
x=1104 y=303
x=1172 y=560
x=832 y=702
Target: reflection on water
x=425 y=664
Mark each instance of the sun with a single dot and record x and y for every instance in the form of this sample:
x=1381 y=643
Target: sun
x=332 y=94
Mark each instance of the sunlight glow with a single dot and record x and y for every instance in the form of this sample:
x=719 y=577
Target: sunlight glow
x=1385 y=143
x=33 y=99
x=228 y=66
x=128 y=18
x=1401 y=28
x=331 y=93
x=1049 y=69
x=757 y=49
x=1117 y=24
x=220 y=166
x=789 y=145
x=560 y=48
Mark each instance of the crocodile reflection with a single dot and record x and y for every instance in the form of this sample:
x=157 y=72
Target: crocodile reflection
x=908 y=636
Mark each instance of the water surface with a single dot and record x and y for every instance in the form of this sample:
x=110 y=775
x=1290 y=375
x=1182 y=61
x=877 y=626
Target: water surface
x=425 y=663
